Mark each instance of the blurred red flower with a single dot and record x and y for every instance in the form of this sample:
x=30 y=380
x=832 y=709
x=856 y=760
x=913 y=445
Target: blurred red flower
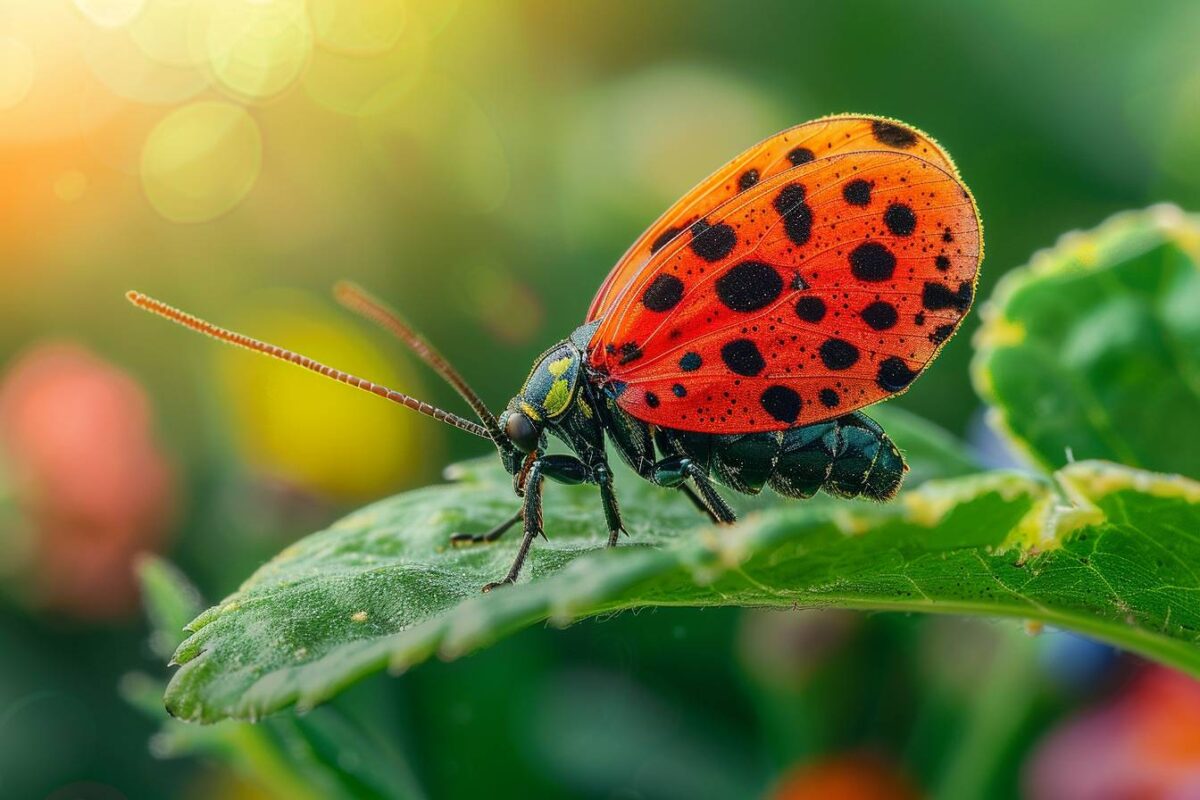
x=91 y=485
x=1144 y=744
x=853 y=776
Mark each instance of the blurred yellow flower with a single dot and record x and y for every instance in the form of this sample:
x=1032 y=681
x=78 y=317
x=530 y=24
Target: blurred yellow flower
x=313 y=432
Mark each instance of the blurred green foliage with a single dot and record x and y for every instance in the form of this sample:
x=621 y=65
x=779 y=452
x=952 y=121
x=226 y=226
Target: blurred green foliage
x=1093 y=351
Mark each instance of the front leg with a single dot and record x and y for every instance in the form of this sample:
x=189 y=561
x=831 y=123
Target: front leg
x=531 y=511
x=462 y=539
x=560 y=468
x=519 y=478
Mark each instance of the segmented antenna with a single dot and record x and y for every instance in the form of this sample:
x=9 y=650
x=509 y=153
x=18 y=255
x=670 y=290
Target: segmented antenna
x=359 y=300
x=200 y=326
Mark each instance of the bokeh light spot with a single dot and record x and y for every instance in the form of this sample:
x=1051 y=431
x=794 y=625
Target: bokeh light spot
x=257 y=49
x=162 y=31
x=124 y=69
x=110 y=13
x=358 y=27
x=355 y=85
x=16 y=72
x=201 y=161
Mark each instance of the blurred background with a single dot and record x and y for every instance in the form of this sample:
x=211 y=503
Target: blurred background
x=481 y=166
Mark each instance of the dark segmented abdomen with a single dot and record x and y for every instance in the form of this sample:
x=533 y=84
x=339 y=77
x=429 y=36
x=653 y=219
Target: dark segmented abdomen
x=850 y=456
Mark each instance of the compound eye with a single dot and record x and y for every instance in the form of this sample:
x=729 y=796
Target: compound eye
x=521 y=431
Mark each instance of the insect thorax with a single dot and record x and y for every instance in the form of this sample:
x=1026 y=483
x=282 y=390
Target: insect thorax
x=552 y=384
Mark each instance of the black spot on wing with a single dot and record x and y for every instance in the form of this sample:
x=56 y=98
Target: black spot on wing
x=663 y=294
x=893 y=135
x=894 y=374
x=749 y=286
x=872 y=262
x=781 y=403
x=663 y=239
x=857 y=192
x=800 y=155
x=941 y=333
x=797 y=214
x=712 y=242
x=937 y=296
x=880 y=315
x=810 y=309
x=742 y=357
x=630 y=352
x=900 y=219
x=838 y=354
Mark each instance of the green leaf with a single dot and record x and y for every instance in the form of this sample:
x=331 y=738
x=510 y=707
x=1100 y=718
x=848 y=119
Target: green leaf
x=170 y=600
x=1093 y=350
x=322 y=755
x=1105 y=550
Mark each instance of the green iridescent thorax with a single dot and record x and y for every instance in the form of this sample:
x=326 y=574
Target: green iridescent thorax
x=550 y=387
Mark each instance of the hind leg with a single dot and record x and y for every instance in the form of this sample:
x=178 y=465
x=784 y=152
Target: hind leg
x=720 y=508
x=674 y=470
x=700 y=505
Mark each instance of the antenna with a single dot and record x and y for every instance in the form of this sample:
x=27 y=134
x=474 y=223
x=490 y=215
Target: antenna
x=359 y=300
x=201 y=326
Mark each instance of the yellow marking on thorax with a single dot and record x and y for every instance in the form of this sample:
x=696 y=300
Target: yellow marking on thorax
x=557 y=368
x=558 y=398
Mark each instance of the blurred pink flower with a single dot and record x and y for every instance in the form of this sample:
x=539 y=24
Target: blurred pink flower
x=1143 y=744
x=87 y=476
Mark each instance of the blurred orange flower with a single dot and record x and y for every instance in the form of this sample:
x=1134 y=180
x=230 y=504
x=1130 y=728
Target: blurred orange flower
x=89 y=481
x=854 y=776
x=1144 y=744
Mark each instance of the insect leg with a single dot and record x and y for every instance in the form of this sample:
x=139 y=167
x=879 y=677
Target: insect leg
x=608 y=498
x=532 y=513
x=674 y=470
x=460 y=539
x=720 y=509
x=698 y=502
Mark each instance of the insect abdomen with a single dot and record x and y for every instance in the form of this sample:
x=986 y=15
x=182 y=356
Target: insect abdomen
x=850 y=456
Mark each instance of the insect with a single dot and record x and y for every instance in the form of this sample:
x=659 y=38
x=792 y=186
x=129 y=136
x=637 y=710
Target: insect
x=737 y=340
